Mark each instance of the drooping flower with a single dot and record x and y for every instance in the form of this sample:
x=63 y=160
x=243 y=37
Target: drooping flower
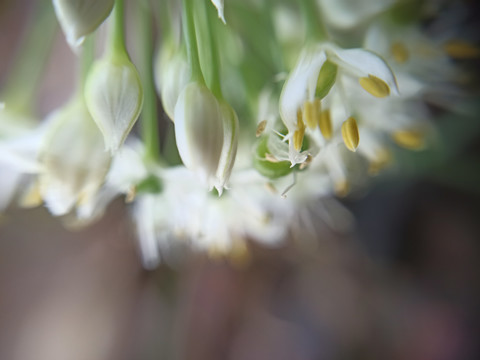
x=74 y=163
x=79 y=18
x=199 y=131
x=315 y=93
x=114 y=96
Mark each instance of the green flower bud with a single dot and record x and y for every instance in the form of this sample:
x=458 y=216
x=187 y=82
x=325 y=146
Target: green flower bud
x=79 y=18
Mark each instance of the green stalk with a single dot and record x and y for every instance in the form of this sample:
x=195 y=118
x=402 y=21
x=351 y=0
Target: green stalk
x=29 y=63
x=315 y=29
x=209 y=21
x=86 y=60
x=191 y=40
x=149 y=111
x=116 y=40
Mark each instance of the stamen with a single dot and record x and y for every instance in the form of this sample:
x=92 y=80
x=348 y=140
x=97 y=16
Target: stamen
x=261 y=128
x=307 y=162
x=375 y=86
x=309 y=114
x=459 y=49
x=131 y=194
x=325 y=124
x=32 y=197
x=409 y=139
x=341 y=188
x=383 y=159
x=271 y=158
x=350 y=135
x=299 y=133
x=239 y=255
x=400 y=52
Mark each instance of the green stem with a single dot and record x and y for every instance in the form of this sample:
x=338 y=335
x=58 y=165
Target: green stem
x=209 y=21
x=149 y=111
x=315 y=29
x=29 y=62
x=85 y=62
x=116 y=41
x=191 y=40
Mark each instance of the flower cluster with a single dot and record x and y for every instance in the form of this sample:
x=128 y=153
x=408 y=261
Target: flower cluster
x=269 y=121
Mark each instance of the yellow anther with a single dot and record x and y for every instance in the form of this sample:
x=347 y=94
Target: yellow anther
x=325 y=124
x=299 y=133
x=131 y=194
x=341 y=188
x=309 y=114
x=307 y=162
x=459 y=49
x=239 y=255
x=271 y=158
x=409 y=139
x=382 y=160
x=400 y=52
x=270 y=187
x=350 y=135
x=32 y=197
x=261 y=128
x=375 y=86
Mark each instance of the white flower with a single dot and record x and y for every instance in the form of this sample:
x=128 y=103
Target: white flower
x=73 y=159
x=79 y=18
x=114 y=96
x=199 y=131
x=172 y=74
x=315 y=94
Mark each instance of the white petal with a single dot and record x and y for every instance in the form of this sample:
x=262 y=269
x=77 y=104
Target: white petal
x=363 y=63
x=300 y=86
x=230 y=144
x=219 y=5
x=74 y=161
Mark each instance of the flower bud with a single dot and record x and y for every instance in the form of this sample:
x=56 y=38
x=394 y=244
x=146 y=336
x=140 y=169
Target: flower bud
x=199 y=130
x=73 y=159
x=172 y=74
x=114 y=97
x=79 y=18
x=230 y=144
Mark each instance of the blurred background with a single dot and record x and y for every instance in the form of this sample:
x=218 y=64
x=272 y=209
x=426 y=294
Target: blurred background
x=404 y=283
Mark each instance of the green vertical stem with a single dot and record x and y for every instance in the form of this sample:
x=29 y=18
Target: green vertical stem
x=86 y=61
x=116 y=40
x=29 y=64
x=315 y=29
x=149 y=111
x=191 y=40
x=210 y=21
